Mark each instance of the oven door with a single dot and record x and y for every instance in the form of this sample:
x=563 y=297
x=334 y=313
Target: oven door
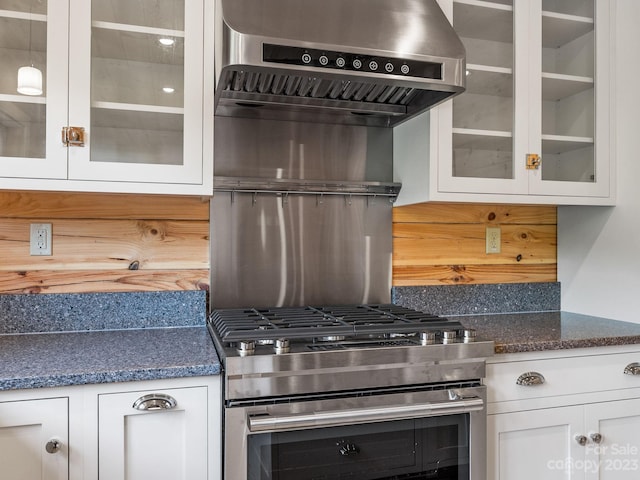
x=434 y=434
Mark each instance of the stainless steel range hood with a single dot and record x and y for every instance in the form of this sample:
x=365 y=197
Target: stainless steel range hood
x=358 y=62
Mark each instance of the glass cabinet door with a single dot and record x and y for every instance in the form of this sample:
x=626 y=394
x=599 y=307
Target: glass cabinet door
x=142 y=124
x=33 y=49
x=567 y=125
x=485 y=124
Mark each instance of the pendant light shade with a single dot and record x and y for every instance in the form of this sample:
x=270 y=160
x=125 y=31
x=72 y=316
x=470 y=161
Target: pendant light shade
x=29 y=81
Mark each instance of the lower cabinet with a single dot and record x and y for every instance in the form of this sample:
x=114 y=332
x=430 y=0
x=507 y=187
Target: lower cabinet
x=33 y=439
x=598 y=441
x=160 y=429
x=159 y=434
x=565 y=426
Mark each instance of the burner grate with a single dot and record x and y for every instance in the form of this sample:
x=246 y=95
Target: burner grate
x=306 y=322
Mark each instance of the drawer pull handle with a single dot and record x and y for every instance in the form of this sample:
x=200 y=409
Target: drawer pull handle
x=596 y=437
x=632 y=369
x=155 y=401
x=530 y=379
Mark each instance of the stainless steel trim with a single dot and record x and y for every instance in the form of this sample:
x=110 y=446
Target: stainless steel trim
x=303 y=371
x=264 y=423
x=311 y=187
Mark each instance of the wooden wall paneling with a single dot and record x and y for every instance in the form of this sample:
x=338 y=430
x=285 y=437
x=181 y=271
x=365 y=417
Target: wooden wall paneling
x=105 y=243
x=435 y=244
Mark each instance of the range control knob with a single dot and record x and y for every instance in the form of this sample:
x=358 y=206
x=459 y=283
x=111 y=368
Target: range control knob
x=246 y=347
x=281 y=346
x=324 y=60
x=306 y=58
x=469 y=335
x=448 y=336
x=340 y=62
x=427 y=338
x=373 y=65
x=357 y=64
x=389 y=67
x=404 y=69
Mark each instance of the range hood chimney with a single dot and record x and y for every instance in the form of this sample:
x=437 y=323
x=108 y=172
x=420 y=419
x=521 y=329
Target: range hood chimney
x=358 y=62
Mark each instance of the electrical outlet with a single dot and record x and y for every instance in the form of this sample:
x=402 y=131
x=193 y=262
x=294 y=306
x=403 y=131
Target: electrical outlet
x=493 y=239
x=40 y=239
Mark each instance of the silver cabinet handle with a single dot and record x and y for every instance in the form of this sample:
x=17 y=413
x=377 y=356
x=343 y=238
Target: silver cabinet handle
x=632 y=369
x=530 y=379
x=581 y=439
x=53 y=446
x=155 y=401
x=595 y=437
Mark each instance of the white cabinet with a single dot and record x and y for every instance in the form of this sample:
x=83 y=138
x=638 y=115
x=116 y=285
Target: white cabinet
x=581 y=423
x=34 y=439
x=538 y=86
x=153 y=434
x=131 y=75
x=100 y=433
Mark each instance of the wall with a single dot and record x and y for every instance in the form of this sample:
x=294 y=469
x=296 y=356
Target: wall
x=105 y=243
x=598 y=248
x=444 y=243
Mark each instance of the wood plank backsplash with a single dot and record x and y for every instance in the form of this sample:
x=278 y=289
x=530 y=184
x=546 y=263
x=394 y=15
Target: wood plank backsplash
x=444 y=243
x=105 y=243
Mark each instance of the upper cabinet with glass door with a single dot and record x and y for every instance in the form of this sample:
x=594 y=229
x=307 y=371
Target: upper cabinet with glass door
x=537 y=73
x=139 y=109
x=33 y=88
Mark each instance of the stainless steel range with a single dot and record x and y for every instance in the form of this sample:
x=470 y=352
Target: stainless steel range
x=302 y=215
x=351 y=392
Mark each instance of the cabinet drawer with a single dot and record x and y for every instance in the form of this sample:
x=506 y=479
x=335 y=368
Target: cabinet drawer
x=562 y=376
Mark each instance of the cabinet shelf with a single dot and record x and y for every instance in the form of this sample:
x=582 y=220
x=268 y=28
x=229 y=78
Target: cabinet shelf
x=557 y=144
x=559 y=28
x=483 y=20
x=494 y=140
x=488 y=80
x=557 y=86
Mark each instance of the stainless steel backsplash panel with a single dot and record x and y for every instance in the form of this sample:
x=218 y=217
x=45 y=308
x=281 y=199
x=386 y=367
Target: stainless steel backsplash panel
x=294 y=250
x=296 y=150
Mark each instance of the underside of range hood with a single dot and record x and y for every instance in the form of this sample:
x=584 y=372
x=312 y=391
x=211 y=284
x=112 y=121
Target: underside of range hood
x=384 y=62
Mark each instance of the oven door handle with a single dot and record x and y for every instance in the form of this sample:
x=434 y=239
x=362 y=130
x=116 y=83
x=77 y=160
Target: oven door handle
x=263 y=423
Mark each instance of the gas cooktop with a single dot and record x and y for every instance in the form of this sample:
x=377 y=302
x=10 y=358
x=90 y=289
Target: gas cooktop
x=332 y=322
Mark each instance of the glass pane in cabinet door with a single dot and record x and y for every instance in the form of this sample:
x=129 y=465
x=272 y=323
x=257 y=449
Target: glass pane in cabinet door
x=23 y=56
x=568 y=93
x=483 y=115
x=137 y=81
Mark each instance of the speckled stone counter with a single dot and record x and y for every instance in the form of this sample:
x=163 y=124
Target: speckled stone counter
x=76 y=358
x=530 y=332
x=54 y=340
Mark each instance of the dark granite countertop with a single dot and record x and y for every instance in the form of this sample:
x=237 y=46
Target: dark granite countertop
x=556 y=330
x=74 y=358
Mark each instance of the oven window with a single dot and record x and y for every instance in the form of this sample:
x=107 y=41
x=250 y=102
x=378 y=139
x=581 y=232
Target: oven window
x=425 y=448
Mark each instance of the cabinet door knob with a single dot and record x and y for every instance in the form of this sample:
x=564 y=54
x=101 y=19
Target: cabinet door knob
x=530 y=379
x=581 y=439
x=632 y=369
x=53 y=446
x=155 y=401
x=595 y=437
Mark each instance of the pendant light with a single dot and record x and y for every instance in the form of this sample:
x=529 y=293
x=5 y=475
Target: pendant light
x=29 y=77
